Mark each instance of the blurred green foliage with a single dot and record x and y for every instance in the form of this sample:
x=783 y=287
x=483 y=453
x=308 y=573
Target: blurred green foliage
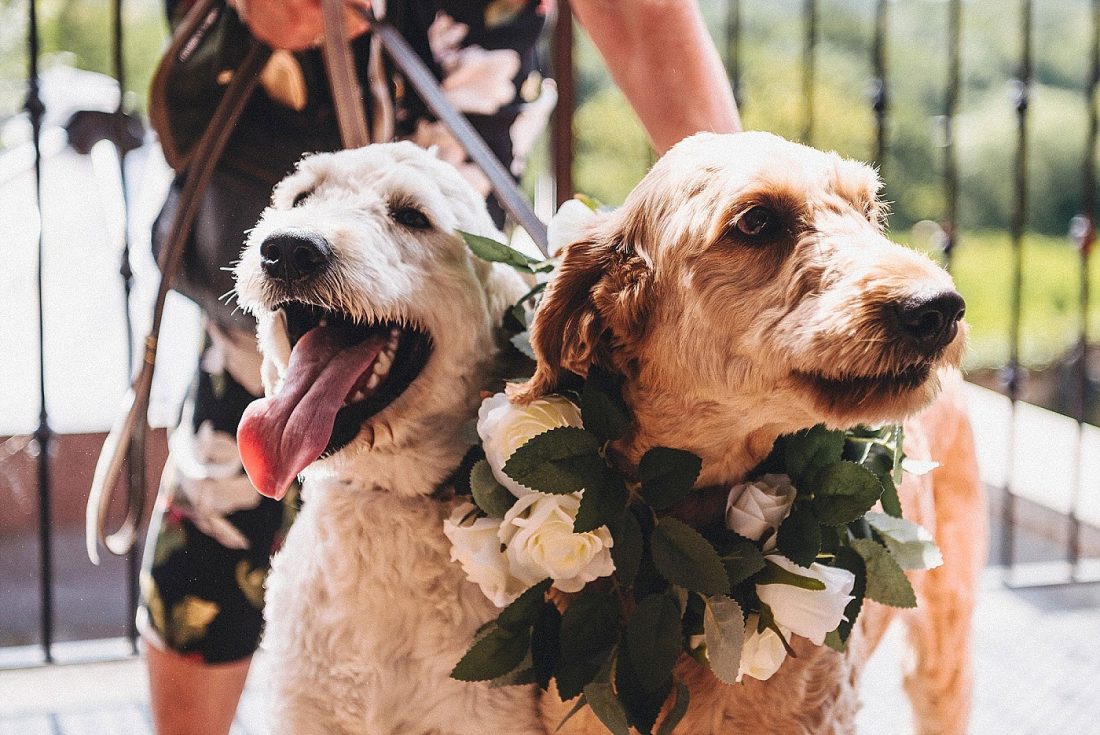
x=983 y=267
x=612 y=153
x=78 y=33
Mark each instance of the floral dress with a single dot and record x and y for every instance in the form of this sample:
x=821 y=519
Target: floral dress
x=212 y=534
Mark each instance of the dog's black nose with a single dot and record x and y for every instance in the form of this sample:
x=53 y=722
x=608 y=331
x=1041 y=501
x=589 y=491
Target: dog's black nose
x=931 y=322
x=294 y=257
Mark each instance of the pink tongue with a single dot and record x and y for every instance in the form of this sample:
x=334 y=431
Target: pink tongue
x=281 y=435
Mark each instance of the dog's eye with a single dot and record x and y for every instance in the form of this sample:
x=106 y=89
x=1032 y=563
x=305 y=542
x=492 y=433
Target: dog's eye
x=410 y=217
x=758 y=221
x=301 y=197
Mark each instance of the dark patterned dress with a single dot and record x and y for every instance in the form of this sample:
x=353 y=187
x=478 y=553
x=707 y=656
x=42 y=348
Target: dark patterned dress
x=212 y=534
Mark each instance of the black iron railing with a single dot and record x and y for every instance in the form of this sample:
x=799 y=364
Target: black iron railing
x=880 y=103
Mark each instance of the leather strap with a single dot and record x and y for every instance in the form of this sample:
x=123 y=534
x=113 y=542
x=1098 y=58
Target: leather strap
x=347 y=94
x=131 y=425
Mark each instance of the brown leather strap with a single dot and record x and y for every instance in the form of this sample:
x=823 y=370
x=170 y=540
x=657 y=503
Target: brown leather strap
x=133 y=421
x=347 y=94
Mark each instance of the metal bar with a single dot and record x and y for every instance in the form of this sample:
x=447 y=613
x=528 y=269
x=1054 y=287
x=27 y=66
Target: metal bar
x=1084 y=230
x=1021 y=88
x=135 y=476
x=879 y=92
x=561 y=132
x=950 y=111
x=42 y=434
x=426 y=85
x=733 y=50
x=809 y=44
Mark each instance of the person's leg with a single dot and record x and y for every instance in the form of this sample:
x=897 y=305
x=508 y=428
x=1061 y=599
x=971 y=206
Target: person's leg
x=189 y=697
x=208 y=553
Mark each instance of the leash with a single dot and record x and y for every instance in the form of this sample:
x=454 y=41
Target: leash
x=133 y=422
x=426 y=85
x=130 y=428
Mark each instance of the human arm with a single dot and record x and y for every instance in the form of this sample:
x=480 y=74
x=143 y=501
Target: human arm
x=663 y=59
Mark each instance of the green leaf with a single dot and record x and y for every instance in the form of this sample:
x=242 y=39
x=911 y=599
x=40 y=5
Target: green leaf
x=589 y=630
x=562 y=460
x=880 y=460
x=899 y=455
x=494 y=655
x=607 y=707
x=601 y=503
x=775 y=574
x=653 y=640
x=581 y=702
x=799 y=536
x=848 y=559
x=724 y=630
x=684 y=557
x=627 y=551
x=676 y=714
x=465 y=467
x=546 y=645
x=844 y=492
x=517 y=317
x=835 y=642
x=741 y=557
x=667 y=475
x=807 y=450
x=525 y=609
x=603 y=410
x=497 y=252
x=489 y=495
x=891 y=503
x=642 y=706
x=886 y=582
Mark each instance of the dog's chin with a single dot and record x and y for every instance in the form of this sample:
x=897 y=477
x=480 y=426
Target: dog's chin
x=364 y=403
x=874 y=398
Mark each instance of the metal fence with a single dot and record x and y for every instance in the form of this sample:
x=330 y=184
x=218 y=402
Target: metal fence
x=562 y=146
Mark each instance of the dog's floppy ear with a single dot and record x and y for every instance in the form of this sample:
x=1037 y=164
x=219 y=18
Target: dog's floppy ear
x=594 y=311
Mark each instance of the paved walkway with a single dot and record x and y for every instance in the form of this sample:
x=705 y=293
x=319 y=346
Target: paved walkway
x=1037 y=654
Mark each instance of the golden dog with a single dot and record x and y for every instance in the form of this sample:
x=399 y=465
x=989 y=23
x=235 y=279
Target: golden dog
x=746 y=290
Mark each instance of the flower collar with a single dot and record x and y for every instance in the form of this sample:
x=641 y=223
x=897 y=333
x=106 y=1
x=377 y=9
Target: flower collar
x=796 y=551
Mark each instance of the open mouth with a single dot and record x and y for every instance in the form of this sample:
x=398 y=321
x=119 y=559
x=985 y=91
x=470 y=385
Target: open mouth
x=404 y=354
x=859 y=390
x=341 y=373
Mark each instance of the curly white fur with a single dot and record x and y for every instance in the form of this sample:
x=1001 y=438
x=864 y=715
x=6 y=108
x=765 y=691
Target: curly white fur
x=366 y=614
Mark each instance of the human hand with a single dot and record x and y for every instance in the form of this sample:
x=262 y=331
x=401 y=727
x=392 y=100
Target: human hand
x=295 y=24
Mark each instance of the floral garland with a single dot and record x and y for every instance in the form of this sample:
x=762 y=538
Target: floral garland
x=797 y=552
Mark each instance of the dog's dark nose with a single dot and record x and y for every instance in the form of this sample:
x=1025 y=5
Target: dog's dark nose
x=294 y=257
x=931 y=322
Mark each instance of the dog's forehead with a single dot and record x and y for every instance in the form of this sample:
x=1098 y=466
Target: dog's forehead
x=751 y=160
x=400 y=164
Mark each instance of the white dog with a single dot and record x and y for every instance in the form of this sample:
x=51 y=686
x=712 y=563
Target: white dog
x=378 y=332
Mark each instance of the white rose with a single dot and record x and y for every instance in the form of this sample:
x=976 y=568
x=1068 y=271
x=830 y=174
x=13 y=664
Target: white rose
x=568 y=225
x=756 y=509
x=762 y=652
x=476 y=546
x=809 y=613
x=540 y=543
x=505 y=427
x=910 y=545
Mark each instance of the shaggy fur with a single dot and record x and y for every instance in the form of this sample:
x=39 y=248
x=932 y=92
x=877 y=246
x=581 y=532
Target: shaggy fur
x=726 y=341
x=366 y=615
x=723 y=347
